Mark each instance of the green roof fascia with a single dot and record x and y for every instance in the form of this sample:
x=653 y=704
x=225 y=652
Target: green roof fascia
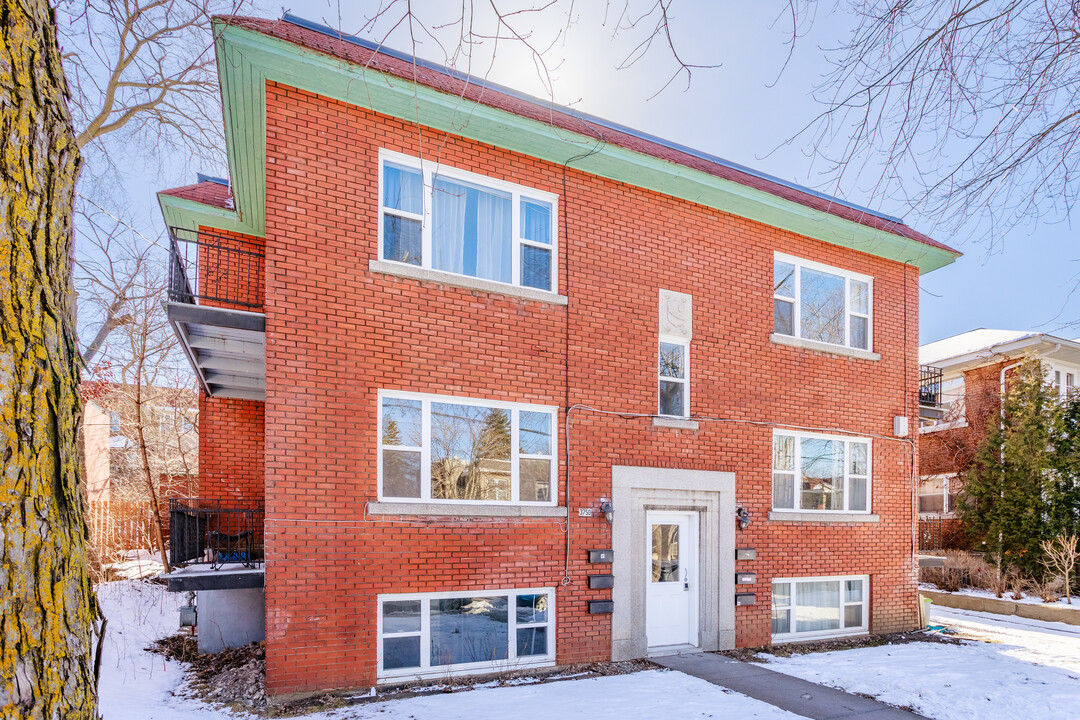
x=247 y=59
x=190 y=214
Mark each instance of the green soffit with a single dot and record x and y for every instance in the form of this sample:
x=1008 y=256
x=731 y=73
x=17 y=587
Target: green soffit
x=248 y=59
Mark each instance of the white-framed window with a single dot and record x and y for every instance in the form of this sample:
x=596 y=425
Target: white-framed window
x=822 y=303
x=452 y=449
x=819 y=607
x=435 y=634
x=938 y=495
x=1062 y=379
x=820 y=473
x=441 y=218
x=673 y=382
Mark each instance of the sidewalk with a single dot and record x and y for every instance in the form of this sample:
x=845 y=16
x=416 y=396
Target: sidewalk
x=784 y=691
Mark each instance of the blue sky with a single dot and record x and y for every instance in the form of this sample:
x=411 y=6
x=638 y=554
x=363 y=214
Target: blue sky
x=744 y=112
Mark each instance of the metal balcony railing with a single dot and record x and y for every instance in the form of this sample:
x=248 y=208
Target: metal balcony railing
x=215 y=269
x=930 y=399
x=209 y=532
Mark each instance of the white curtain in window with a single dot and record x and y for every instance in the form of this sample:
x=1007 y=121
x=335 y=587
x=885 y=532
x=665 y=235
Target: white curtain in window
x=493 y=236
x=448 y=226
x=817 y=606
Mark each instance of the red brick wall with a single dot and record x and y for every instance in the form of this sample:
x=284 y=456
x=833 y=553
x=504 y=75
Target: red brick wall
x=337 y=333
x=950 y=452
x=231 y=449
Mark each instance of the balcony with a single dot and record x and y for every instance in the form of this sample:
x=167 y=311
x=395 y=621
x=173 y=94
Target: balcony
x=215 y=309
x=931 y=406
x=215 y=544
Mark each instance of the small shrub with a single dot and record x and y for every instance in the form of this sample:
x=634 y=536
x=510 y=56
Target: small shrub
x=997 y=581
x=1061 y=555
x=1017 y=583
x=1048 y=590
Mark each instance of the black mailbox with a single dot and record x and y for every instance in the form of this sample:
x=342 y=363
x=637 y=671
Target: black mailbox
x=601 y=556
x=601 y=607
x=601 y=581
x=745 y=599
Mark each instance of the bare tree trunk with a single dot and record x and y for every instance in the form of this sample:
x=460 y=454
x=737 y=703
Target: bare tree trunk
x=47 y=606
x=144 y=458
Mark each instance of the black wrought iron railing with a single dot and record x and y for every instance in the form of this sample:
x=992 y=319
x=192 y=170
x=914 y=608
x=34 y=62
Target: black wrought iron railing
x=929 y=386
x=930 y=533
x=213 y=533
x=215 y=269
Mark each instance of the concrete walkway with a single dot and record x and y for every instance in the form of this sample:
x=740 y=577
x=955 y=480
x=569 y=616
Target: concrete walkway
x=784 y=691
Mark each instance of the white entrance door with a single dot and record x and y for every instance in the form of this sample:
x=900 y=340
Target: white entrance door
x=671 y=583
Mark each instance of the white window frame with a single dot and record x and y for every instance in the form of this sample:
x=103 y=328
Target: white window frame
x=672 y=340
x=514 y=410
x=947 y=509
x=863 y=629
x=796 y=302
x=512 y=662
x=1059 y=375
x=847 y=439
x=429 y=170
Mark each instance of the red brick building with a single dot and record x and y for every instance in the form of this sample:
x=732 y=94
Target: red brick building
x=519 y=387
x=971 y=371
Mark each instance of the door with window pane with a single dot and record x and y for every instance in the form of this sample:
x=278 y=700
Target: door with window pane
x=672 y=582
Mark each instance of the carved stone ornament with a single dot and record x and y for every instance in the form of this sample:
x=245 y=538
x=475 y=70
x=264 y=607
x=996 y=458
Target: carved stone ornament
x=676 y=314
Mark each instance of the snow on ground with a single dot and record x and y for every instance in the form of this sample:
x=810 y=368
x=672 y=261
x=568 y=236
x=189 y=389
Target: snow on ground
x=640 y=696
x=1026 y=600
x=1018 y=668
x=138 y=684
x=135 y=683
x=136 y=565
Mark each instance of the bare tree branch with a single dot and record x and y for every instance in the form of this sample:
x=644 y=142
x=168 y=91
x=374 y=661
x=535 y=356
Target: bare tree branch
x=976 y=100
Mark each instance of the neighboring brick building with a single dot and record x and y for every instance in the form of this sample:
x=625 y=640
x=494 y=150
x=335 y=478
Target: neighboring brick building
x=511 y=404
x=972 y=371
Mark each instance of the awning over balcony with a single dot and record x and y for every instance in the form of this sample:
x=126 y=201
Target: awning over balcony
x=227 y=348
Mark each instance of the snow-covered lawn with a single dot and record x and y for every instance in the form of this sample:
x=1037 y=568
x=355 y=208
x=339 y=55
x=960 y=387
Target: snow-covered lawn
x=138 y=684
x=1020 y=669
x=1023 y=668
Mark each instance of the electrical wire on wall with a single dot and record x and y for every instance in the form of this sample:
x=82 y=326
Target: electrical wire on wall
x=564 y=258
x=703 y=418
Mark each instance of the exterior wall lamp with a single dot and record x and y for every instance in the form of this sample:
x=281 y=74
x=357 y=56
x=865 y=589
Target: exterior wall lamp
x=742 y=515
x=608 y=509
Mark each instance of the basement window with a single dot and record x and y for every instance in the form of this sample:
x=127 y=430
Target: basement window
x=438 y=634
x=450 y=449
x=822 y=473
x=822 y=303
x=449 y=220
x=819 y=607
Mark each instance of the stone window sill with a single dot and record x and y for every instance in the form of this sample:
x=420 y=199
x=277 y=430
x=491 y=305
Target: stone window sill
x=823 y=347
x=386 y=267
x=464 y=510
x=674 y=422
x=818 y=517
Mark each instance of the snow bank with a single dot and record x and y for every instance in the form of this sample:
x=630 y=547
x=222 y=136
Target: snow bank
x=135 y=683
x=1026 y=600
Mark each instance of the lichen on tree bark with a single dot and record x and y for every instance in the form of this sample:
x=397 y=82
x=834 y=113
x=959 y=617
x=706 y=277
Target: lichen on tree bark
x=47 y=606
